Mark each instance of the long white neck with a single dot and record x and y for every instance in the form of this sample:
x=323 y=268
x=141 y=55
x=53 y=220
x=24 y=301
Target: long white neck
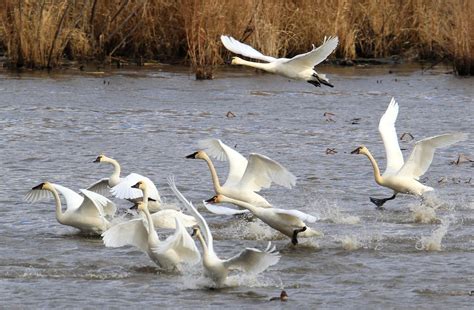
x=263 y=66
x=145 y=193
x=151 y=227
x=215 y=178
x=242 y=204
x=114 y=178
x=205 y=249
x=59 y=213
x=378 y=178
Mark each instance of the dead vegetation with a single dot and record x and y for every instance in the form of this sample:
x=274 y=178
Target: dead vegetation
x=41 y=33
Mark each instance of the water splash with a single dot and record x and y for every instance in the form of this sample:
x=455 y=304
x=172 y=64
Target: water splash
x=253 y=230
x=331 y=211
x=433 y=242
x=423 y=214
x=350 y=243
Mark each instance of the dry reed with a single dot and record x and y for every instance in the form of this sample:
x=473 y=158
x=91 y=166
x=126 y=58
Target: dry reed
x=40 y=34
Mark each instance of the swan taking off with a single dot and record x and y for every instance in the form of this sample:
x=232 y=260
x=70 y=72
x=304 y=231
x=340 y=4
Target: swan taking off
x=245 y=178
x=249 y=260
x=121 y=187
x=300 y=67
x=399 y=176
x=288 y=222
x=87 y=212
x=168 y=254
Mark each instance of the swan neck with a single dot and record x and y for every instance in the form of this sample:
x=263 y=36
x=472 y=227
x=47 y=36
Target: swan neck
x=242 y=204
x=205 y=249
x=59 y=212
x=151 y=226
x=258 y=65
x=215 y=178
x=378 y=178
x=145 y=194
x=115 y=177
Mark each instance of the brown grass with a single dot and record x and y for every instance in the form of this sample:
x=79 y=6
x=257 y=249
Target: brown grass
x=41 y=33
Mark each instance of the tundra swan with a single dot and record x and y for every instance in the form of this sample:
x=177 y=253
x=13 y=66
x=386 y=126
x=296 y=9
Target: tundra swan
x=300 y=67
x=168 y=254
x=399 y=176
x=250 y=260
x=87 y=212
x=244 y=178
x=288 y=222
x=122 y=186
x=165 y=218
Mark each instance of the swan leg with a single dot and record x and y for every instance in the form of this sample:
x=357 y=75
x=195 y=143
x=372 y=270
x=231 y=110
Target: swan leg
x=294 y=239
x=315 y=83
x=320 y=81
x=380 y=201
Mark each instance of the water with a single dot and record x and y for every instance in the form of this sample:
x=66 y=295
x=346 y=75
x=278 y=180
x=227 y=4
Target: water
x=54 y=126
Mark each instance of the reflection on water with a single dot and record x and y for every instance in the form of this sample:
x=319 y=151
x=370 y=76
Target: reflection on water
x=417 y=254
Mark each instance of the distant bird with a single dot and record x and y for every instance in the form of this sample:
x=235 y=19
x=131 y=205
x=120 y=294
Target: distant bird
x=245 y=178
x=86 y=212
x=399 y=176
x=122 y=186
x=250 y=260
x=283 y=297
x=300 y=67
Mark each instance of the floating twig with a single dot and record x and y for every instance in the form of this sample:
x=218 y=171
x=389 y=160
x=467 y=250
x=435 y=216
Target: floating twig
x=462 y=159
x=331 y=151
x=406 y=134
x=355 y=121
x=230 y=114
x=328 y=116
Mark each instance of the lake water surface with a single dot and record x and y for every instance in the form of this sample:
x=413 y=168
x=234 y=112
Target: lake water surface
x=409 y=256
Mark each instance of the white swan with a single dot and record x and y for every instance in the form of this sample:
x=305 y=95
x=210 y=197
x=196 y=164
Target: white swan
x=244 y=178
x=399 y=176
x=249 y=260
x=87 y=213
x=168 y=254
x=288 y=222
x=122 y=186
x=300 y=67
x=165 y=218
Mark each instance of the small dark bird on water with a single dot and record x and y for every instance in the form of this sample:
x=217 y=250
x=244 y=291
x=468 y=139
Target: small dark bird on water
x=283 y=296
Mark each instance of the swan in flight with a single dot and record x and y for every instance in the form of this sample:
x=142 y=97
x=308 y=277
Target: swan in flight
x=250 y=260
x=121 y=187
x=86 y=212
x=288 y=222
x=168 y=254
x=300 y=67
x=165 y=218
x=399 y=176
x=245 y=178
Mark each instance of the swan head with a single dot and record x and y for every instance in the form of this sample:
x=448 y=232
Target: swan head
x=235 y=61
x=43 y=186
x=197 y=155
x=101 y=158
x=360 y=150
x=216 y=199
x=140 y=185
x=196 y=231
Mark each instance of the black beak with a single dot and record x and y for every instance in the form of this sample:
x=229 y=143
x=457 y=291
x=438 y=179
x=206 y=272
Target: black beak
x=38 y=186
x=228 y=61
x=136 y=185
x=356 y=151
x=211 y=200
x=134 y=207
x=151 y=199
x=97 y=160
x=193 y=155
x=194 y=232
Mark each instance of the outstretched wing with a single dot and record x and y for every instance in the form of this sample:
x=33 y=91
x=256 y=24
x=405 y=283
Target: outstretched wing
x=73 y=199
x=253 y=260
x=243 y=49
x=35 y=195
x=180 y=242
x=165 y=219
x=124 y=189
x=317 y=55
x=96 y=205
x=422 y=155
x=218 y=150
x=132 y=233
x=100 y=187
x=390 y=139
x=262 y=171
x=222 y=210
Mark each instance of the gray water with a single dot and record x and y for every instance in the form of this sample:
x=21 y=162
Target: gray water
x=54 y=126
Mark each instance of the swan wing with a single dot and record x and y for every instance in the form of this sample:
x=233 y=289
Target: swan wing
x=100 y=187
x=422 y=155
x=180 y=242
x=124 y=189
x=222 y=210
x=165 y=219
x=305 y=217
x=132 y=232
x=218 y=150
x=73 y=199
x=253 y=260
x=96 y=205
x=243 y=49
x=262 y=171
x=390 y=139
x=317 y=55
x=194 y=212
x=35 y=195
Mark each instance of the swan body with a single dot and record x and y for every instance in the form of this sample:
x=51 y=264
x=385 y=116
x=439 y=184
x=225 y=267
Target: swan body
x=86 y=212
x=288 y=222
x=121 y=187
x=168 y=254
x=300 y=67
x=403 y=177
x=245 y=178
x=250 y=260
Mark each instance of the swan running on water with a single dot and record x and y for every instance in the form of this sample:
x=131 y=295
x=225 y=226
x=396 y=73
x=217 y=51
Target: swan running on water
x=122 y=186
x=288 y=222
x=87 y=213
x=245 y=178
x=168 y=254
x=300 y=67
x=250 y=260
x=399 y=176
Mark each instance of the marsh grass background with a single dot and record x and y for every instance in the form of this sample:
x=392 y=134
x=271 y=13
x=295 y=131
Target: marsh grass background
x=42 y=33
